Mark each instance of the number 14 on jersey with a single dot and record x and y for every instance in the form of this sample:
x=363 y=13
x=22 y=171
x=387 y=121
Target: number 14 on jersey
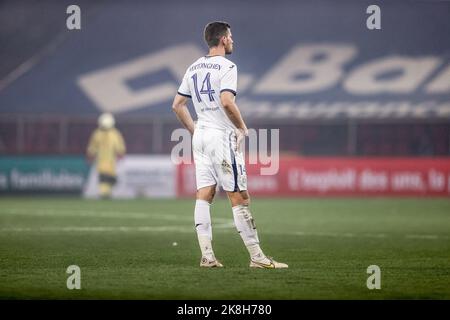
x=206 y=82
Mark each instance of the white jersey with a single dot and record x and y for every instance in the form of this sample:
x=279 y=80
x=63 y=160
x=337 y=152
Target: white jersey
x=203 y=82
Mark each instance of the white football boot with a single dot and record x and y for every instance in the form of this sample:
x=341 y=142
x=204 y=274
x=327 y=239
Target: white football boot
x=267 y=263
x=206 y=263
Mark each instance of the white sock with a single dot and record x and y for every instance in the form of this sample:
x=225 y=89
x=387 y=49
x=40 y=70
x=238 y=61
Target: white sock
x=202 y=218
x=247 y=229
x=255 y=252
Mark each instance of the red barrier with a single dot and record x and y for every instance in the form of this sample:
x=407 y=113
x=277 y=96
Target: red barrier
x=342 y=177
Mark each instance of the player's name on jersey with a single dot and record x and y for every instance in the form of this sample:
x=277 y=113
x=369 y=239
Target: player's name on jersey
x=203 y=65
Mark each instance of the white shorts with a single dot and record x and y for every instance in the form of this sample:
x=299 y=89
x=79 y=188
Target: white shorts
x=216 y=161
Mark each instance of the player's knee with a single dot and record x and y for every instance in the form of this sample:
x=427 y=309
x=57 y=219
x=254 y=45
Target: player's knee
x=206 y=194
x=239 y=198
x=211 y=195
x=245 y=197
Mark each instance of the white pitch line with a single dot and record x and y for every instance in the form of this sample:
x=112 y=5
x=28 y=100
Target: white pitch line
x=369 y=235
x=422 y=236
x=75 y=213
x=100 y=229
x=113 y=229
x=220 y=223
x=219 y=226
x=340 y=235
x=108 y=214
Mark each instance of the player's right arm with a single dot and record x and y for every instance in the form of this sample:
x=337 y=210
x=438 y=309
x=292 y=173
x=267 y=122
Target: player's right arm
x=92 y=148
x=181 y=110
x=179 y=105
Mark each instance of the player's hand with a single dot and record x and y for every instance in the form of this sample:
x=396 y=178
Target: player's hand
x=240 y=136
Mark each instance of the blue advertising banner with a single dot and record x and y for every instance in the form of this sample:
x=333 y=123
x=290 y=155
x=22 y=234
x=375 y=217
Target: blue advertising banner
x=296 y=59
x=43 y=174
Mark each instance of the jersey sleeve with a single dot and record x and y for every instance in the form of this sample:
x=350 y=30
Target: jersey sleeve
x=184 y=87
x=229 y=80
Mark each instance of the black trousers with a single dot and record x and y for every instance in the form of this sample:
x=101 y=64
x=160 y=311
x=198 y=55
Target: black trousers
x=107 y=178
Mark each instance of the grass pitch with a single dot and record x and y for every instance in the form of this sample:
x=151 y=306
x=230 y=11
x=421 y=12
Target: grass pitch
x=126 y=250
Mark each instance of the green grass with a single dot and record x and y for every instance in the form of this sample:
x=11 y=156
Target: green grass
x=125 y=249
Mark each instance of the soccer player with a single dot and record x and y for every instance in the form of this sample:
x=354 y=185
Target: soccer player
x=211 y=83
x=105 y=146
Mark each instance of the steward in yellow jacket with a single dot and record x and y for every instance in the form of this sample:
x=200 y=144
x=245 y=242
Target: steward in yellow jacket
x=106 y=144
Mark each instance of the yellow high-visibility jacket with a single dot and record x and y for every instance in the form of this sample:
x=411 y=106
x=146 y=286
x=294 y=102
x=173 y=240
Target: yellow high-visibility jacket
x=106 y=146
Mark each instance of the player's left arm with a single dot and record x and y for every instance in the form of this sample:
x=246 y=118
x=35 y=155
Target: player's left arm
x=179 y=106
x=121 y=148
x=228 y=85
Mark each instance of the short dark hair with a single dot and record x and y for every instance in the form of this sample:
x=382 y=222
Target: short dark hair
x=214 y=31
